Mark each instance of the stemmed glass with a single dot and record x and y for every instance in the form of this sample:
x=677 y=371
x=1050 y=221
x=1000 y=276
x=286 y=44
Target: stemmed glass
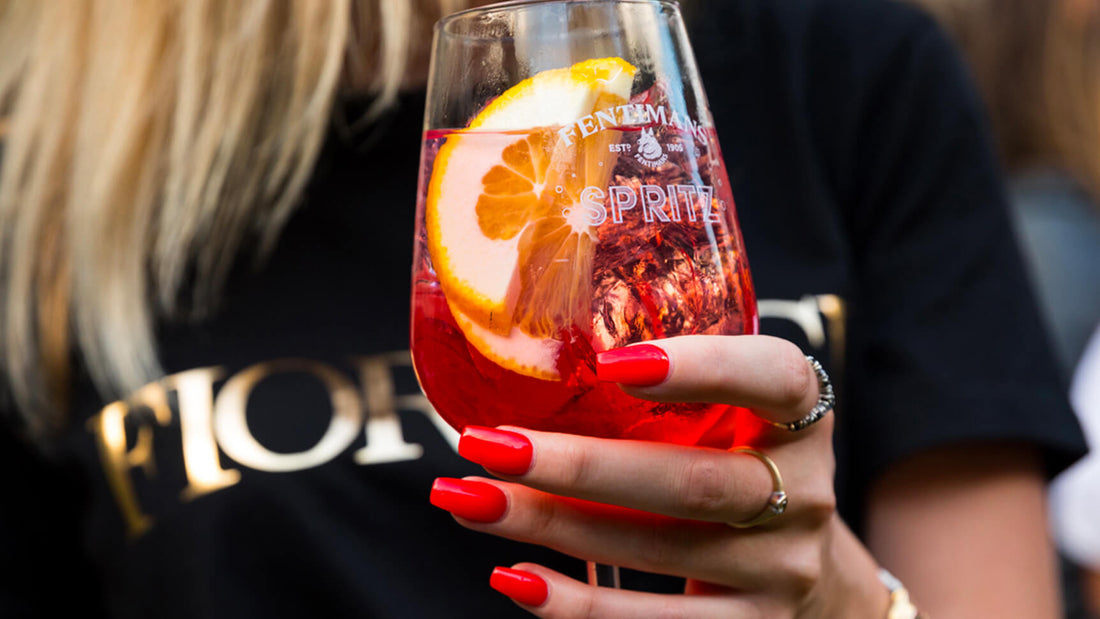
x=572 y=200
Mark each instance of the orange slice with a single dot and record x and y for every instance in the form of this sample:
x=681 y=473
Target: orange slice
x=508 y=236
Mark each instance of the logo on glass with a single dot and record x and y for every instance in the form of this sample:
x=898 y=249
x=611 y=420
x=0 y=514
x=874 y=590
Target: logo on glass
x=649 y=152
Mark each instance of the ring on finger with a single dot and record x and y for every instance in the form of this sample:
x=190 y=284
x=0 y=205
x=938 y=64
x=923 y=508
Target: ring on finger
x=826 y=401
x=777 y=501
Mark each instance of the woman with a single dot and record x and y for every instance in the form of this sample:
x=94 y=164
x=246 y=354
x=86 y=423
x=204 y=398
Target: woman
x=154 y=150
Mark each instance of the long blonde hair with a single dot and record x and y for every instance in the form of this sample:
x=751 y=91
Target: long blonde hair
x=1037 y=65
x=143 y=142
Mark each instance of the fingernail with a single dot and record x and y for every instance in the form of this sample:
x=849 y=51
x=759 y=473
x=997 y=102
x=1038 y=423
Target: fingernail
x=643 y=365
x=472 y=500
x=523 y=587
x=497 y=450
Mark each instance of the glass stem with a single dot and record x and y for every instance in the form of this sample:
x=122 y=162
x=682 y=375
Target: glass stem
x=601 y=575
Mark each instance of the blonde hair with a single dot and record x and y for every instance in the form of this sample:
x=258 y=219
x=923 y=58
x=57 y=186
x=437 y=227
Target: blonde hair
x=1037 y=65
x=146 y=140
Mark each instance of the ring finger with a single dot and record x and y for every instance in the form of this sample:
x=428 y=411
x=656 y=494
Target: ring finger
x=701 y=551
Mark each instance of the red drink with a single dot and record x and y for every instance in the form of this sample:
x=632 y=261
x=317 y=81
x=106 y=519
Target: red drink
x=648 y=248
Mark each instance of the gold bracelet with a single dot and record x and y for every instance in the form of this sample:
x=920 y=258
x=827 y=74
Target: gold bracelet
x=900 y=606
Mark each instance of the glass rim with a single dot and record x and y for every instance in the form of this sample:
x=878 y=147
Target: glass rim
x=516 y=4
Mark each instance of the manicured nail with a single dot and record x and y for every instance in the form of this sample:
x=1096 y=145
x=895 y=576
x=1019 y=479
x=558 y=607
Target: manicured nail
x=497 y=450
x=523 y=587
x=643 y=365
x=472 y=500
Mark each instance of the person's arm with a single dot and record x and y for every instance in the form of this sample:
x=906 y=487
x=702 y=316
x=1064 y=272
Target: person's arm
x=956 y=415
x=1091 y=583
x=965 y=529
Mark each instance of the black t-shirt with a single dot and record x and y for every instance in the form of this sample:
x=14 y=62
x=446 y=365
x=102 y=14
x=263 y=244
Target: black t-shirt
x=283 y=467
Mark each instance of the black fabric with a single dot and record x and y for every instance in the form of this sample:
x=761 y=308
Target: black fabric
x=865 y=186
x=878 y=186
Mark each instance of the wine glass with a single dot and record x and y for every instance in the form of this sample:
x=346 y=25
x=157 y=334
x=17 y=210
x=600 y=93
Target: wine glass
x=572 y=200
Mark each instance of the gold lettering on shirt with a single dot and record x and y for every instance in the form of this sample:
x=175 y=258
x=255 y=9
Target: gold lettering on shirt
x=213 y=422
x=236 y=440
x=385 y=440
x=836 y=317
x=213 y=427
x=195 y=391
x=821 y=318
x=109 y=428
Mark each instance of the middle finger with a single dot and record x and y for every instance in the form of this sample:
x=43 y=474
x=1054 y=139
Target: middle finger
x=683 y=482
x=743 y=559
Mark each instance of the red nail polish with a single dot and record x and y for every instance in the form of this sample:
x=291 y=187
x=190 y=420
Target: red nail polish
x=523 y=587
x=472 y=500
x=643 y=365
x=497 y=450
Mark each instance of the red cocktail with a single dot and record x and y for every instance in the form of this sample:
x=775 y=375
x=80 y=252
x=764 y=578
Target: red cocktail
x=606 y=224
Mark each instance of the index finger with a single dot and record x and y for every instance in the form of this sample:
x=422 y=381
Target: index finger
x=768 y=374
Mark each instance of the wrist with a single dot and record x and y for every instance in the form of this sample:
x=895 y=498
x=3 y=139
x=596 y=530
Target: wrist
x=851 y=587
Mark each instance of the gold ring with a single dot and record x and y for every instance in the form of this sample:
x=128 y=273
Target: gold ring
x=777 y=502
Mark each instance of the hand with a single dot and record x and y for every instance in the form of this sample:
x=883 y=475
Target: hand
x=664 y=508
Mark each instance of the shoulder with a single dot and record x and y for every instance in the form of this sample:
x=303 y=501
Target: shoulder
x=876 y=84
x=864 y=24
x=806 y=39
x=860 y=38
x=842 y=60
